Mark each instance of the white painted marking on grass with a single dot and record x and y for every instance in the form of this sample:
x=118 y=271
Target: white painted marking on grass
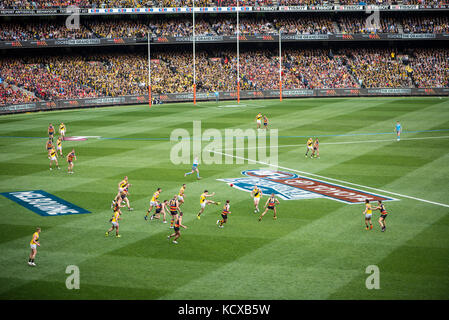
x=336 y=180
x=98 y=137
x=231 y=106
x=349 y=142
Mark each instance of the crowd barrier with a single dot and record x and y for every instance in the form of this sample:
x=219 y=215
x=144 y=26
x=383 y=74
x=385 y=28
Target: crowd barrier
x=202 y=96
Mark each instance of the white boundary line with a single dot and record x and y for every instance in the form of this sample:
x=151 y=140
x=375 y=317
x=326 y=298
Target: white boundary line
x=336 y=180
x=349 y=142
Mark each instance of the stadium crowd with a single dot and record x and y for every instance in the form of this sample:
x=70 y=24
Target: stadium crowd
x=11 y=95
x=222 y=25
x=75 y=76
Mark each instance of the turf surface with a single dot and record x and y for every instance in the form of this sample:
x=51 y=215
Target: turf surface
x=316 y=249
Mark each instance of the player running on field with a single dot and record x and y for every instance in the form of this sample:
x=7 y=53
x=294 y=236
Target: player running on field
x=174 y=208
x=70 y=158
x=256 y=194
x=259 y=120
x=51 y=132
x=181 y=194
x=383 y=215
x=53 y=157
x=309 y=146
x=204 y=202
x=160 y=207
x=49 y=146
x=123 y=197
x=224 y=214
x=178 y=224
x=194 y=168
x=59 y=145
x=368 y=213
x=122 y=185
x=33 y=243
x=270 y=205
x=153 y=201
x=115 y=224
x=62 y=129
x=265 y=122
x=316 y=149
x=398 y=130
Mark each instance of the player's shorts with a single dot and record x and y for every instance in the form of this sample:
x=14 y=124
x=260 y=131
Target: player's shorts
x=63 y=131
x=256 y=199
x=383 y=216
x=33 y=246
x=115 y=224
x=51 y=133
x=180 y=198
x=176 y=229
x=59 y=148
x=203 y=205
x=158 y=210
x=53 y=158
x=265 y=124
x=48 y=148
x=310 y=147
x=271 y=207
x=194 y=167
x=69 y=162
x=315 y=148
x=259 y=122
x=173 y=212
x=123 y=196
x=153 y=203
x=224 y=216
x=368 y=215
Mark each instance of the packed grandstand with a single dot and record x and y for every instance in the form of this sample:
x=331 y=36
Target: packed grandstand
x=76 y=72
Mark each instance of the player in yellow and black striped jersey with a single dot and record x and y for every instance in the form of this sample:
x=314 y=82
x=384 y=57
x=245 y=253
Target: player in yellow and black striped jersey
x=259 y=120
x=309 y=146
x=114 y=221
x=368 y=213
x=204 y=202
x=153 y=202
x=33 y=243
x=256 y=194
x=62 y=130
x=53 y=157
x=59 y=145
x=181 y=194
x=122 y=185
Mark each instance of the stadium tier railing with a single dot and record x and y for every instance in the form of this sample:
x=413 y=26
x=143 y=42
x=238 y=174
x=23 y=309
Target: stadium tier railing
x=222 y=39
x=209 y=96
x=183 y=10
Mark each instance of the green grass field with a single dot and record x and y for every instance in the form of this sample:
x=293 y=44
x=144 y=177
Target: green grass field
x=316 y=249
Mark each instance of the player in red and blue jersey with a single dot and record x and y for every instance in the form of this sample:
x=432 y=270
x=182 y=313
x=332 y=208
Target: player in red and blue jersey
x=383 y=215
x=224 y=214
x=270 y=205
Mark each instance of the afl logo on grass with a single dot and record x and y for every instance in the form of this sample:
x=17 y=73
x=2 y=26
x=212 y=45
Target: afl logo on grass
x=290 y=186
x=44 y=203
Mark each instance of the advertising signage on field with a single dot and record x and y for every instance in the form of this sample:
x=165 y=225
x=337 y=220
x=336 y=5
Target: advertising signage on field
x=228 y=95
